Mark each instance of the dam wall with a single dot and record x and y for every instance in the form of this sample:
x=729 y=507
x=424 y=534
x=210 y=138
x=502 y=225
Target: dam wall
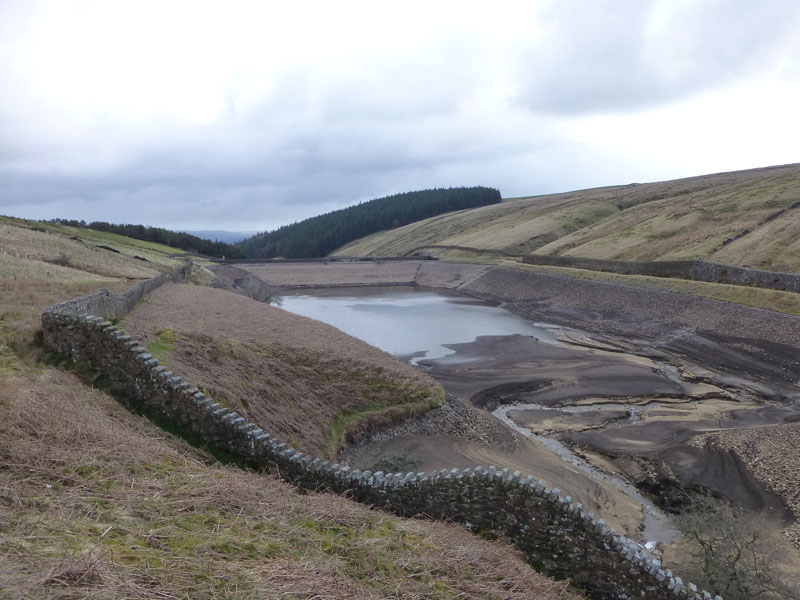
x=335 y=274
x=554 y=532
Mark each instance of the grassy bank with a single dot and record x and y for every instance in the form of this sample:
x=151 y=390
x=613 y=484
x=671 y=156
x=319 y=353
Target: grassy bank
x=301 y=380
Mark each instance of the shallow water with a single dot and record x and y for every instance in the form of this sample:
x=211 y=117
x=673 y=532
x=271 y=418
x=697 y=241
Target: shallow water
x=656 y=525
x=409 y=322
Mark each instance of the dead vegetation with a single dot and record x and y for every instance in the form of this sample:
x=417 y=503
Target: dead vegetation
x=299 y=379
x=768 y=454
x=746 y=218
x=736 y=553
x=98 y=502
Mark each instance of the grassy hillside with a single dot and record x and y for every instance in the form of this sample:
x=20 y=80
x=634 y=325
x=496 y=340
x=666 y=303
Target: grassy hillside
x=749 y=218
x=96 y=502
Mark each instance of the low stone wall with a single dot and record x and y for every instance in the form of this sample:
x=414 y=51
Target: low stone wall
x=696 y=270
x=554 y=532
x=116 y=305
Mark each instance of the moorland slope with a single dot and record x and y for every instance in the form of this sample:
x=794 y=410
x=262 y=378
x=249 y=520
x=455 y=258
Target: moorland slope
x=749 y=218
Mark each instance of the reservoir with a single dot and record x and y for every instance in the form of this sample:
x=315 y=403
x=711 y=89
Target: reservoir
x=474 y=345
x=408 y=322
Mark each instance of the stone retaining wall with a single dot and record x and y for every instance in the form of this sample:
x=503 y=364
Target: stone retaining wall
x=696 y=270
x=555 y=533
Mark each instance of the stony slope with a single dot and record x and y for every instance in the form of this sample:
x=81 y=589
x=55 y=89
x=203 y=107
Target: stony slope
x=749 y=218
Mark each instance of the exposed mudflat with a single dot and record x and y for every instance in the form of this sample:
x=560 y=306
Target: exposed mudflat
x=653 y=385
x=672 y=393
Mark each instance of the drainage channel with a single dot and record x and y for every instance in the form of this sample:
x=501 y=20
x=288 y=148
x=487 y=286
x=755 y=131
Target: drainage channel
x=656 y=525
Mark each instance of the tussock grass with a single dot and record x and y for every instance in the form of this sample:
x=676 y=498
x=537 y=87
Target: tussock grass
x=96 y=502
x=163 y=344
x=78 y=248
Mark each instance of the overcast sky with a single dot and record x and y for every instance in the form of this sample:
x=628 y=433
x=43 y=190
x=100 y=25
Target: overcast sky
x=250 y=115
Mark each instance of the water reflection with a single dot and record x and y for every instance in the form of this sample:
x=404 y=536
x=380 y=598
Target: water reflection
x=406 y=321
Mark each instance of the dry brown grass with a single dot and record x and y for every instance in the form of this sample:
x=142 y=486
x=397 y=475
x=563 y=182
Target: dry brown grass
x=21 y=303
x=59 y=249
x=303 y=381
x=96 y=502
x=685 y=218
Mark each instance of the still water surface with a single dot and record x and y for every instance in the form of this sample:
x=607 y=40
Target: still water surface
x=407 y=321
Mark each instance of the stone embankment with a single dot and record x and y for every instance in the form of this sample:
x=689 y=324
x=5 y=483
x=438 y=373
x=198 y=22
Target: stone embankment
x=695 y=270
x=555 y=533
x=339 y=274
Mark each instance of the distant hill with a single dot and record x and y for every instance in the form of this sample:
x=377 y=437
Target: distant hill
x=175 y=239
x=749 y=218
x=228 y=237
x=319 y=236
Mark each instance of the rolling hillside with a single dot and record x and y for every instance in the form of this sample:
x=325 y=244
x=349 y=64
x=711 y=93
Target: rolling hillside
x=749 y=218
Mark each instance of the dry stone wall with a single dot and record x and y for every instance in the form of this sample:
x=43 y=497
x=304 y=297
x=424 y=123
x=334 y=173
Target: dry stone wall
x=116 y=305
x=554 y=532
x=696 y=270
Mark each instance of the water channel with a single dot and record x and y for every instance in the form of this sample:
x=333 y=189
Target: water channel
x=417 y=325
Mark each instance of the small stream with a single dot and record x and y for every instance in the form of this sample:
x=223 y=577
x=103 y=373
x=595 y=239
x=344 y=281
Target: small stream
x=656 y=524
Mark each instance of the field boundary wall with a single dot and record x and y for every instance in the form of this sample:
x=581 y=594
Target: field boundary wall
x=109 y=305
x=695 y=270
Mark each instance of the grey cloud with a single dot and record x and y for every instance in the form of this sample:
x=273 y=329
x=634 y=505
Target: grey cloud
x=377 y=124
x=616 y=55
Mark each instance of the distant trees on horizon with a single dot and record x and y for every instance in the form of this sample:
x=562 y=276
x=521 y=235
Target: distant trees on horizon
x=159 y=235
x=319 y=236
